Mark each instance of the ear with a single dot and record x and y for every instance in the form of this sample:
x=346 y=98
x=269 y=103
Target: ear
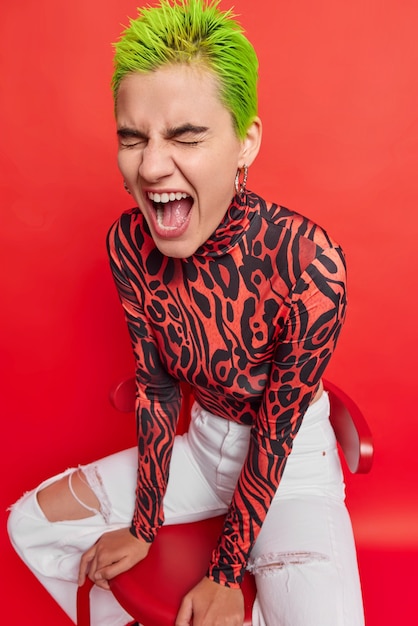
x=250 y=145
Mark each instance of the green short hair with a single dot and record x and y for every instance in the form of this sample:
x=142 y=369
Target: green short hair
x=193 y=31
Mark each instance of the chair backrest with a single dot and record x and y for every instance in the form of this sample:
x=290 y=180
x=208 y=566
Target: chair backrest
x=351 y=429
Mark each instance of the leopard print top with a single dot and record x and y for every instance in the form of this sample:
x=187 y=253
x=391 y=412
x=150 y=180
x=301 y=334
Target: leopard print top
x=250 y=321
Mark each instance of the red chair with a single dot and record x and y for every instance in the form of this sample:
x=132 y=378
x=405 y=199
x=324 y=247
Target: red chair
x=181 y=552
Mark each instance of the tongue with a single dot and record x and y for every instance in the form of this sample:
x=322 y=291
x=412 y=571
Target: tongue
x=174 y=214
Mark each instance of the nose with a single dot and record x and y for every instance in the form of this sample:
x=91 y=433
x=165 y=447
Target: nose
x=156 y=162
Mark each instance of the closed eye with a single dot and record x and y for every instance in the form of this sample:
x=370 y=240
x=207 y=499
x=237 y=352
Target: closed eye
x=130 y=145
x=187 y=134
x=189 y=143
x=129 y=138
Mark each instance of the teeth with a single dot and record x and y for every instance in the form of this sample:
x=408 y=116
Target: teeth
x=166 y=197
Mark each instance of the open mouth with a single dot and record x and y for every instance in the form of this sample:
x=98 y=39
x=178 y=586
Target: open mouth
x=171 y=211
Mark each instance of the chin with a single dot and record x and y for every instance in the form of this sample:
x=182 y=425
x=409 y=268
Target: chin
x=176 y=249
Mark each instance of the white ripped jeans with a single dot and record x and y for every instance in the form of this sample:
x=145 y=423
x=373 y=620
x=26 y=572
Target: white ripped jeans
x=304 y=559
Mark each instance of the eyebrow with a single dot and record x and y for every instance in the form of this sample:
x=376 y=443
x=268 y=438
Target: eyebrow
x=125 y=131
x=186 y=129
x=171 y=133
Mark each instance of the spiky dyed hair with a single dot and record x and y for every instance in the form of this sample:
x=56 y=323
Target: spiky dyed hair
x=193 y=32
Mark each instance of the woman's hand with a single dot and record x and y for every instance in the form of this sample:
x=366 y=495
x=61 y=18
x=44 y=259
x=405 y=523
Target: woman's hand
x=213 y=605
x=114 y=553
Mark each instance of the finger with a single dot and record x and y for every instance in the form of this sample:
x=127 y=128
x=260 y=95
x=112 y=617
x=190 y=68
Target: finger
x=103 y=584
x=100 y=561
x=110 y=571
x=185 y=613
x=85 y=563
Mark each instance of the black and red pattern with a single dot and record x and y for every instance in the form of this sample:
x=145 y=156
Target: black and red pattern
x=250 y=321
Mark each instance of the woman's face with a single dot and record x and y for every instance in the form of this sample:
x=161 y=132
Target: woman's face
x=178 y=153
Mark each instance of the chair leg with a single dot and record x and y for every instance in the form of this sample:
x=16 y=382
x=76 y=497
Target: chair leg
x=83 y=603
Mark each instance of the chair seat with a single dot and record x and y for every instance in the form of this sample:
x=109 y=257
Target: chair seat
x=180 y=556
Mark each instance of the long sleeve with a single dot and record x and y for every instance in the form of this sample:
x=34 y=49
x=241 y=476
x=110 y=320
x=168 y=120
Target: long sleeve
x=158 y=396
x=316 y=310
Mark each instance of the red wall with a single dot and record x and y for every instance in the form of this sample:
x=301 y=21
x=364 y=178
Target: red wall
x=338 y=97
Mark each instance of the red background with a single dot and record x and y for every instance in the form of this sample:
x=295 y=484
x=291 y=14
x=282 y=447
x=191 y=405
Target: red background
x=338 y=97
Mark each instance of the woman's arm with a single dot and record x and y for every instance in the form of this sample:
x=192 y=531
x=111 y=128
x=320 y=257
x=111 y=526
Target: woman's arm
x=157 y=409
x=317 y=305
x=158 y=395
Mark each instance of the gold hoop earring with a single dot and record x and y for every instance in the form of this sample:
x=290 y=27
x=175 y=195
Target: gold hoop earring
x=125 y=186
x=241 y=180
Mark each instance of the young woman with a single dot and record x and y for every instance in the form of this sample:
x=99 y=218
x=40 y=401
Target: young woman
x=242 y=299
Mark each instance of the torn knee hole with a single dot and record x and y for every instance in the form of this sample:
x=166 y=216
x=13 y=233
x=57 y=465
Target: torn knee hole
x=271 y=563
x=76 y=495
x=91 y=496
x=90 y=476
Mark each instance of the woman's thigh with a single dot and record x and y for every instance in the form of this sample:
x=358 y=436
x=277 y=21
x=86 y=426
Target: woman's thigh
x=304 y=559
x=305 y=566
x=53 y=548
